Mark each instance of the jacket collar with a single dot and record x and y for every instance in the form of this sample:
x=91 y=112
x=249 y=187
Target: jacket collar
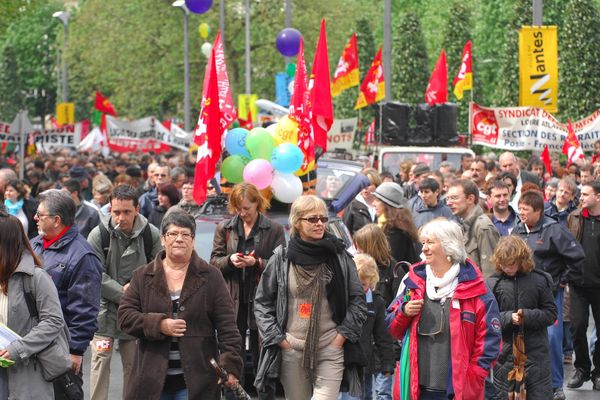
x=472 y=217
x=26 y=265
x=262 y=221
x=65 y=239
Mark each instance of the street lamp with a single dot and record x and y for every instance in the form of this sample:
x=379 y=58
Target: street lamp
x=186 y=64
x=64 y=18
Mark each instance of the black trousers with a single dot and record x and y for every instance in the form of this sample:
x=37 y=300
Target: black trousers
x=582 y=298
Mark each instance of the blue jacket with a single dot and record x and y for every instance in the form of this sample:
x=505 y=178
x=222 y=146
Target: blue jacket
x=148 y=202
x=423 y=214
x=551 y=210
x=76 y=271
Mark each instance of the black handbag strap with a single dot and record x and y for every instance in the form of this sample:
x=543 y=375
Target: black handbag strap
x=30 y=298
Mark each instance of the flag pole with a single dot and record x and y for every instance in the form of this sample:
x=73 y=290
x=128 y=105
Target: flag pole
x=380 y=141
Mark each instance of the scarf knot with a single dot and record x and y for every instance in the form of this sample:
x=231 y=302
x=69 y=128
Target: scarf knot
x=444 y=287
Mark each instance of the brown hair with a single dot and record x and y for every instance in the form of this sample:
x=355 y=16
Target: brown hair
x=468 y=186
x=533 y=199
x=400 y=218
x=248 y=191
x=372 y=240
x=12 y=246
x=512 y=250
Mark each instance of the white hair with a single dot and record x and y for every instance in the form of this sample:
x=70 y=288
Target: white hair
x=450 y=235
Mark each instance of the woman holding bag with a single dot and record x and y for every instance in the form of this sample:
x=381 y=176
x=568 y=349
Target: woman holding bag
x=18 y=262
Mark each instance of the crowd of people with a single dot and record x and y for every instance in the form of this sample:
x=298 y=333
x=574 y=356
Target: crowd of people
x=464 y=281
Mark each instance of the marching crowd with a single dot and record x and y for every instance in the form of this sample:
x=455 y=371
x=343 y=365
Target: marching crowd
x=467 y=282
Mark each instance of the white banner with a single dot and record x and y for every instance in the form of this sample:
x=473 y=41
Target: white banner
x=146 y=134
x=67 y=136
x=341 y=134
x=528 y=128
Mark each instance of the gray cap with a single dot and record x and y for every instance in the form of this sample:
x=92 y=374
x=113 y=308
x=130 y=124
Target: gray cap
x=421 y=169
x=391 y=194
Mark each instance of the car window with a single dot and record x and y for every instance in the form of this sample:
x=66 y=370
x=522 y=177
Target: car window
x=391 y=161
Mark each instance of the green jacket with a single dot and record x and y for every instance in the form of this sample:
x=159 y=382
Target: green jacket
x=125 y=254
x=481 y=238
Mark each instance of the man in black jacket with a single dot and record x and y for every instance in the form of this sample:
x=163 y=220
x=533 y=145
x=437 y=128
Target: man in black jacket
x=557 y=252
x=585 y=286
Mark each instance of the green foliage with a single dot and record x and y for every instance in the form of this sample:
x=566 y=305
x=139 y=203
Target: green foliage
x=367 y=48
x=410 y=71
x=579 y=70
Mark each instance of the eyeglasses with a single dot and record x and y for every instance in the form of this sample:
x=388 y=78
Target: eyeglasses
x=175 y=235
x=38 y=215
x=315 y=219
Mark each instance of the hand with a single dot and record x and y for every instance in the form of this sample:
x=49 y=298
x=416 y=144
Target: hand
x=231 y=381
x=173 y=327
x=237 y=260
x=76 y=363
x=125 y=286
x=413 y=307
x=338 y=341
x=249 y=260
x=4 y=354
x=517 y=318
x=284 y=344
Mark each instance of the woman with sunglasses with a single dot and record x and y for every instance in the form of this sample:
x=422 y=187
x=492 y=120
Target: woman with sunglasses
x=450 y=317
x=309 y=309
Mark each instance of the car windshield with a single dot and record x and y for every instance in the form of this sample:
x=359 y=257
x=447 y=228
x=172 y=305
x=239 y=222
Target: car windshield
x=391 y=161
x=333 y=177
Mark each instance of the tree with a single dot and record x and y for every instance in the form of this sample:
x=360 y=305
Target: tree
x=458 y=32
x=579 y=71
x=410 y=71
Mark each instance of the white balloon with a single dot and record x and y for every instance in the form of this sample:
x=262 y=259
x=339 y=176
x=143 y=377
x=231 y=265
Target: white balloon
x=291 y=87
x=206 y=48
x=271 y=129
x=286 y=187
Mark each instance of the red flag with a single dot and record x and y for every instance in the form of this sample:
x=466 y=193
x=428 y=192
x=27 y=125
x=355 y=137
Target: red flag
x=437 y=89
x=299 y=111
x=464 y=77
x=346 y=74
x=103 y=105
x=207 y=134
x=372 y=88
x=572 y=147
x=319 y=88
x=546 y=160
x=246 y=123
x=228 y=112
x=370 y=136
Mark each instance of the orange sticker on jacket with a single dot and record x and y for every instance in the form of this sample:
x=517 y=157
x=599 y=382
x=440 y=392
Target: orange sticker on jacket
x=305 y=310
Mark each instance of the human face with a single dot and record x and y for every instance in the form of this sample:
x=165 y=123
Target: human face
x=510 y=270
x=511 y=188
x=100 y=197
x=500 y=199
x=178 y=243
x=309 y=231
x=550 y=192
x=379 y=207
x=528 y=216
x=434 y=252
x=508 y=163
x=187 y=192
x=367 y=193
x=466 y=162
x=164 y=200
x=123 y=213
x=10 y=193
x=588 y=198
x=429 y=197
x=478 y=172
x=563 y=195
x=366 y=284
x=538 y=169
x=457 y=201
x=248 y=211
x=47 y=224
x=332 y=183
x=585 y=177
x=161 y=175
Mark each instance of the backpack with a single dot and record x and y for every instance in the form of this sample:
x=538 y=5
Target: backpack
x=146 y=235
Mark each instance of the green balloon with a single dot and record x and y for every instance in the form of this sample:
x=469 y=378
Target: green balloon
x=233 y=168
x=291 y=70
x=260 y=144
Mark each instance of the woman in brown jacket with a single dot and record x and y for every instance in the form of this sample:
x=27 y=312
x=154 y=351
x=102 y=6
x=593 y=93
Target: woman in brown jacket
x=242 y=247
x=174 y=305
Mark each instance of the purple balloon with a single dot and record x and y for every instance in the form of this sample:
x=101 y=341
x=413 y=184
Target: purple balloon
x=288 y=41
x=198 y=6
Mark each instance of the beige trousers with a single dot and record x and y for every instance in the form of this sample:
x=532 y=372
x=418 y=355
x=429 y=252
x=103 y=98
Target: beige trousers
x=330 y=369
x=102 y=348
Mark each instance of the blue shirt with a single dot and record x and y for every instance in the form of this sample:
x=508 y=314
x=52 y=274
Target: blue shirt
x=505 y=227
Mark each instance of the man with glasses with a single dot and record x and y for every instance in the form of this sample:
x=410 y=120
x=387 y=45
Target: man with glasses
x=123 y=241
x=149 y=200
x=75 y=270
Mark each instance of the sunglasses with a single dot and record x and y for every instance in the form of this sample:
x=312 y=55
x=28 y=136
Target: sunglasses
x=314 y=220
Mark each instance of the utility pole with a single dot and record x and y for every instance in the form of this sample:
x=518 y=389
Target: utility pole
x=387 y=48
x=248 y=66
x=538 y=12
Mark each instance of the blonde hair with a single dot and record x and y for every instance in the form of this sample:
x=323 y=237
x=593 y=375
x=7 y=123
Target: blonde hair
x=373 y=176
x=367 y=269
x=302 y=206
x=372 y=240
x=512 y=250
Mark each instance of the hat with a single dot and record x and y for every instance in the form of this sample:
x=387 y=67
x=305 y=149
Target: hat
x=391 y=194
x=78 y=172
x=134 y=171
x=421 y=169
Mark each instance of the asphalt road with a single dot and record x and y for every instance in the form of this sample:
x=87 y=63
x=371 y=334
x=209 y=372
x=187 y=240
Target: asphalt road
x=116 y=382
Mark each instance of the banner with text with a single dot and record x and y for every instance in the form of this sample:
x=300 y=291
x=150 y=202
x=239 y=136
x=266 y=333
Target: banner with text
x=538 y=64
x=145 y=135
x=528 y=128
x=341 y=134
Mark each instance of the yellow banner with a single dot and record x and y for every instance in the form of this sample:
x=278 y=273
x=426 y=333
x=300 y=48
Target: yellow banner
x=65 y=113
x=538 y=65
x=247 y=102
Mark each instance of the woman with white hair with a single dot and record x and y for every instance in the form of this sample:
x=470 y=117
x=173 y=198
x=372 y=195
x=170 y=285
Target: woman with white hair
x=450 y=317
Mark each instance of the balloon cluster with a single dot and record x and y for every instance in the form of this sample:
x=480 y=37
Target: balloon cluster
x=266 y=158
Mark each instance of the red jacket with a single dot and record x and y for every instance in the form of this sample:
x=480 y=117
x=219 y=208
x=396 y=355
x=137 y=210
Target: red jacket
x=475 y=331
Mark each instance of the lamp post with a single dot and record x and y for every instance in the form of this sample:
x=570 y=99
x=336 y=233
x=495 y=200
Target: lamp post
x=186 y=64
x=63 y=16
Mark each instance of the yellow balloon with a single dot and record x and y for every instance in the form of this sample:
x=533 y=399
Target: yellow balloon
x=286 y=131
x=204 y=30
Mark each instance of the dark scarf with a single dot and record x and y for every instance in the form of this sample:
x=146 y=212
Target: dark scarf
x=316 y=263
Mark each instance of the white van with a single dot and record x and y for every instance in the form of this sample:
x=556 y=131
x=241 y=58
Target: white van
x=391 y=157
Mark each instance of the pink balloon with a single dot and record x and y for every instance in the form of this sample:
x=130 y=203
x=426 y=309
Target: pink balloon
x=259 y=172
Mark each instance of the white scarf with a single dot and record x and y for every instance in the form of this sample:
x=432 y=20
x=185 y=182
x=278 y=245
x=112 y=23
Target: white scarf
x=441 y=288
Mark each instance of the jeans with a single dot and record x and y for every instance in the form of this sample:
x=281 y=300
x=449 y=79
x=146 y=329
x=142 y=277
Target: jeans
x=383 y=386
x=181 y=394
x=555 y=339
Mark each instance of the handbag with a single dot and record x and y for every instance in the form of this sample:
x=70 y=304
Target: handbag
x=54 y=360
